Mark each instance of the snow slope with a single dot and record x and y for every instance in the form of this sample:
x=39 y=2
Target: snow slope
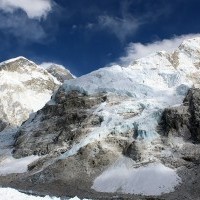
x=9 y=165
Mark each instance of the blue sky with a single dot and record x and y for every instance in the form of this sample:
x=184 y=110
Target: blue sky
x=84 y=35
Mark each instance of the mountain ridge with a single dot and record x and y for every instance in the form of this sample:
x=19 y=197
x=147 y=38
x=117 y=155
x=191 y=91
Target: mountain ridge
x=108 y=122
x=58 y=71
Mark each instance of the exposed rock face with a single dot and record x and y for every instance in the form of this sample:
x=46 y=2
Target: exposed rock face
x=54 y=130
x=3 y=125
x=184 y=120
x=58 y=71
x=56 y=127
x=74 y=174
x=133 y=151
x=25 y=88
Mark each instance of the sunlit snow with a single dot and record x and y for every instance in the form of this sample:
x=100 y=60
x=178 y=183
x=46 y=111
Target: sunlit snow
x=12 y=194
x=10 y=165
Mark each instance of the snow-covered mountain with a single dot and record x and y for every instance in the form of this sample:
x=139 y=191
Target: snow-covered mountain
x=25 y=88
x=101 y=133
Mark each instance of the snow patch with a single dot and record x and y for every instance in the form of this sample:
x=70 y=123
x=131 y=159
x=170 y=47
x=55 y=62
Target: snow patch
x=122 y=177
x=9 y=193
x=10 y=165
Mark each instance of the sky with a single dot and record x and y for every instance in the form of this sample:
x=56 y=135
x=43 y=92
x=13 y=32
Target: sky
x=84 y=35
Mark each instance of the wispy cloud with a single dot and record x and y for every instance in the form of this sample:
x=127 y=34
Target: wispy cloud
x=33 y=8
x=21 y=27
x=121 y=27
x=139 y=50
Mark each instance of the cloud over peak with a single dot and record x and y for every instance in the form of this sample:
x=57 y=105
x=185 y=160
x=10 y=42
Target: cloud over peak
x=138 y=50
x=35 y=9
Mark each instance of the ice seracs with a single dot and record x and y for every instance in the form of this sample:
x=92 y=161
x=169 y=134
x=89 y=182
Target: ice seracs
x=153 y=83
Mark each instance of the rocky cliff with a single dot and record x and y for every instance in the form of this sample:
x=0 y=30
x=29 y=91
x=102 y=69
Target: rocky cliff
x=183 y=121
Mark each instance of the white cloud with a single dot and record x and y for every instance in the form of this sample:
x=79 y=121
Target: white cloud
x=139 y=50
x=33 y=8
x=121 y=27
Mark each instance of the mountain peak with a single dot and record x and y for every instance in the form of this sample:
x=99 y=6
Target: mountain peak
x=17 y=59
x=26 y=88
x=18 y=64
x=58 y=71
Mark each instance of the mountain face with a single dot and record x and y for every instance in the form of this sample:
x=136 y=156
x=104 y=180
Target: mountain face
x=128 y=131
x=58 y=71
x=25 y=88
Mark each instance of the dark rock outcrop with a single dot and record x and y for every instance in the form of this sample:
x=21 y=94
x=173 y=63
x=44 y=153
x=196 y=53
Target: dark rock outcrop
x=57 y=126
x=184 y=120
x=132 y=151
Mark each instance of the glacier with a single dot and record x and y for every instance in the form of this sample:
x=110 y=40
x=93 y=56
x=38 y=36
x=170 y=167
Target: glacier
x=149 y=85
